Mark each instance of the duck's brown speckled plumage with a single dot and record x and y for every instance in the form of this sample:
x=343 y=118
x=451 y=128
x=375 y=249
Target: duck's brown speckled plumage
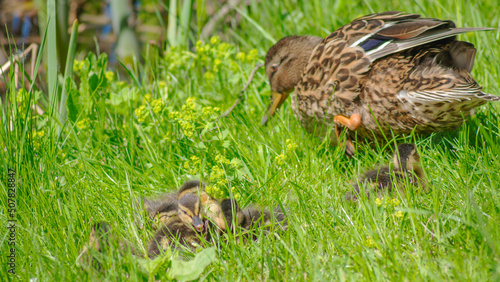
x=397 y=71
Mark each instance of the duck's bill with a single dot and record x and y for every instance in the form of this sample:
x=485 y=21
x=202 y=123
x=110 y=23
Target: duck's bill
x=198 y=224
x=277 y=100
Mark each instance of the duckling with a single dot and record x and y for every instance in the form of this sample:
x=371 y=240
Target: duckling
x=98 y=242
x=101 y=240
x=159 y=212
x=211 y=206
x=406 y=166
x=166 y=212
x=251 y=217
x=187 y=227
x=162 y=209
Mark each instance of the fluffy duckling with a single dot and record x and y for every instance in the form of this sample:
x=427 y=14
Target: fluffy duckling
x=159 y=212
x=251 y=217
x=101 y=240
x=163 y=209
x=98 y=242
x=406 y=167
x=212 y=208
x=187 y=227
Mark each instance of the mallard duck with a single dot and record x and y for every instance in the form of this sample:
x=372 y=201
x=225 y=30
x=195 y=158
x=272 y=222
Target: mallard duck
x=383 y=73
x=187 y=227
x=405 y=169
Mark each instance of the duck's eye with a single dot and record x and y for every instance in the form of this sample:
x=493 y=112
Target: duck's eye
x=274 y=68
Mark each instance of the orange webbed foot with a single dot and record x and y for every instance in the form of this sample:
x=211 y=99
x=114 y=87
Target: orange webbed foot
x=353 y=122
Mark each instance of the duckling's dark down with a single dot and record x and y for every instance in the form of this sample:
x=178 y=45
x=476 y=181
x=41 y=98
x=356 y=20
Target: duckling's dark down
x=187 y=227
x=211 y=206
x=406 y=169
x=251 y=217
x=101 y=240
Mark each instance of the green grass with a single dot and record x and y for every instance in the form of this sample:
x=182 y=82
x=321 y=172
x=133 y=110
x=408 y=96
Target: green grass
x=113 y=151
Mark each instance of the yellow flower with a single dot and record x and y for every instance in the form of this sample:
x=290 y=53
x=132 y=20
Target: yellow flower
x=399 y=214
x=195 y=160
x=378 y=201
x=370 y=243
x=77 y=66
x=217 y=63
x=22 y=95
x=148 y=97
x=141 y=113
x=252 y=55
x=173 y=115
x=395 y=202
x=237 y=196
x=157 y=105
x=290 y=145
x=83 y=124
x=110 y=76
x=40 y=133
x=214 y=40
x=241 y=56
x=280 y=159
x=222 y=159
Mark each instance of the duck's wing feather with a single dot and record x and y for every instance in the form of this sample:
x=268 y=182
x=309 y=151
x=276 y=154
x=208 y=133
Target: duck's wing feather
x=339 y=62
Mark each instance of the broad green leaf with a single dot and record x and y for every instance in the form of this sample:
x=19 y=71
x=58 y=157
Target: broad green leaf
x=190 y=270
x=93 y=82
x=151 y=267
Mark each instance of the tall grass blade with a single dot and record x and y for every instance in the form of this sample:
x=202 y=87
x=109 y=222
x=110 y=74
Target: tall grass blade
x=68 y=74
x=257 y=26
x=51 y=52
x=185 y=20
x=172 y=23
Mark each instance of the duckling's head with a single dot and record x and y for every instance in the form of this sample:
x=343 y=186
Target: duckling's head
x=406 y=157
x=165 y=212
x=99 y=236
x=195 y=187
x=190 y=211
x=285 y=62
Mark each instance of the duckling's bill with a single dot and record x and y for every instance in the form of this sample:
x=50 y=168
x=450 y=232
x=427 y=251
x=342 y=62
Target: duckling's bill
x=197 y=223
x=277 y=100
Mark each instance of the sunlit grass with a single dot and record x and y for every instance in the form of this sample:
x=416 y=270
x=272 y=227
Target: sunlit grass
x=125 y=140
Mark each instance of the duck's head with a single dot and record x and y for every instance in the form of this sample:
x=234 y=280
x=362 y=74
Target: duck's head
x=190 y=211
x=285 y=62
x=406 y=157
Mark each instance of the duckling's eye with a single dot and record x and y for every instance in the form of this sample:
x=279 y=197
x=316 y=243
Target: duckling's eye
x=274 y=67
